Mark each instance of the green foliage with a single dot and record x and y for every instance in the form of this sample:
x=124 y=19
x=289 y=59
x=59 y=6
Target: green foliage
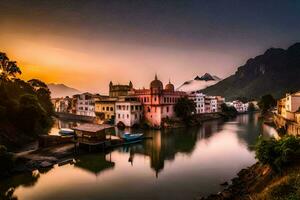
x=25 y=106
x=278 y=153
x=266 y=102
x=184 y=108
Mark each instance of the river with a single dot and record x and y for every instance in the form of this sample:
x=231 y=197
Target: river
x=175 y=164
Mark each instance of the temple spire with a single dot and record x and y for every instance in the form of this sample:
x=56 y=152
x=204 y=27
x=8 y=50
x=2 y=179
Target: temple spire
x=155 y=76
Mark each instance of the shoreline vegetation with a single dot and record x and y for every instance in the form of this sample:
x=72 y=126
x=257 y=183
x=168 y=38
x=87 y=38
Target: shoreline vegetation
x=276 y=175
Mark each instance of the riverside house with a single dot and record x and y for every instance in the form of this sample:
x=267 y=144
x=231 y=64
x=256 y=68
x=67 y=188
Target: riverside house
x=105 y=108
x=288 y=113
x=206 y=104
x=129 y=111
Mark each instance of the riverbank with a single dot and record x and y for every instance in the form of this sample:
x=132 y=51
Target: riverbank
x=260 y=182
x=39 y=159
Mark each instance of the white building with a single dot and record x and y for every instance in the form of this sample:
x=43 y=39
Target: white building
x=129 y=111
x=239 y=106
x=85 y=104
x=62 y=104
x=206 y=104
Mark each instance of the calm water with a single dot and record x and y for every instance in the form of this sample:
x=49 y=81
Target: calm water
x=177 y=164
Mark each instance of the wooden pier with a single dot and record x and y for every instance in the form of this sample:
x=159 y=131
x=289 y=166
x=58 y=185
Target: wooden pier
x=94 y=136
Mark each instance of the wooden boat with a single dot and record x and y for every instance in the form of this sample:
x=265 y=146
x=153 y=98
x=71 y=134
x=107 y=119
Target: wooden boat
x=66 y=131
x=132 y=136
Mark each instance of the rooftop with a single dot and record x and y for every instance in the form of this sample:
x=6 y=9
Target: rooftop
x=92 y=128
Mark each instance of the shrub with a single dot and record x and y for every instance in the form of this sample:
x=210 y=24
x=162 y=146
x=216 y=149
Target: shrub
x=278 y=153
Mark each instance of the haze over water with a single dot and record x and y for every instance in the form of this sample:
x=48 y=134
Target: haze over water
x=175 y=164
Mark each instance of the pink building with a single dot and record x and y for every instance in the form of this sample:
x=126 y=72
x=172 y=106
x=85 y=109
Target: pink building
x=158 y=102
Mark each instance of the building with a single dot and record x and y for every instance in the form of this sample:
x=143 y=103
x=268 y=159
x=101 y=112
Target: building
x=239 y=106
x=129 y=111
x=206 y=104
x=119 y=90
x=85 y=104
x=105 y=108
x=158 y=102
x=62 y=104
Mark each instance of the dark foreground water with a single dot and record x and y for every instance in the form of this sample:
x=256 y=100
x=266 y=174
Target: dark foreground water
x=175 y=164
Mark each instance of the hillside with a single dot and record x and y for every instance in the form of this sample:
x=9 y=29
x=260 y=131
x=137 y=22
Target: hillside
x=61 y=90
x=199 y=83
x=274 y=72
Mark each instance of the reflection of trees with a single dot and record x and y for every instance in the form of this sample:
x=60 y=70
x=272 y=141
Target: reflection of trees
x=250 y=128
x=94 y=163
x=8 y=186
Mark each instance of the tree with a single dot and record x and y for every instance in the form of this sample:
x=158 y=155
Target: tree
x=266 y=102
x=184 y=108
x=8 y=69
x=229 y=111
x=251 y=107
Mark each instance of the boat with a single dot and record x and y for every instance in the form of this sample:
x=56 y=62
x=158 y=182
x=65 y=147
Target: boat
x=132 y=136
x=66 y=131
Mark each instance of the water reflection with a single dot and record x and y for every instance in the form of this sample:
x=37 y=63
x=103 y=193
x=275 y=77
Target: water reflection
x=178 y=164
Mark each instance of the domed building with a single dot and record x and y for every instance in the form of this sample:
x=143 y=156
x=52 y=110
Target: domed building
x=158 y=102
x=170 y=87
x=156 y=85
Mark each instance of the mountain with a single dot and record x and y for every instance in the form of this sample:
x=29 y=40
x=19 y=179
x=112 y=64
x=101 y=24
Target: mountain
x=275 y=72
x=61 y=90
x=199 y=83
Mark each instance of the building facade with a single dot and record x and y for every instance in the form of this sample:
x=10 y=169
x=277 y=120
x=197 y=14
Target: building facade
x=105 y=108
x=129 y=111
x=119 y=90
x=85 y=104
x=158 y=102
x=239 y=106
x=206 y=104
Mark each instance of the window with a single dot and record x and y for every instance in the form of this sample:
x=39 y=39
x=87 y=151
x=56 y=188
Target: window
x=119 y=116
x=132 y=108
x=127 y=116
x=167 y=108
x=111 y=109
x=149 y=110
x=103 y=108
x=107 y=108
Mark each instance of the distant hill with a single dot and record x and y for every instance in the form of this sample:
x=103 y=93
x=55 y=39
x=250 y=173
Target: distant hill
x=61 y=90
x=275 y=72
x=199 y=83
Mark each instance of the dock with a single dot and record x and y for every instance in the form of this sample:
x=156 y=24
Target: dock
x=94 y=136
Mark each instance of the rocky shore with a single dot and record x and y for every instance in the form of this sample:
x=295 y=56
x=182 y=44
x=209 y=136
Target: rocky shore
x=28 y=161
x=246 y=185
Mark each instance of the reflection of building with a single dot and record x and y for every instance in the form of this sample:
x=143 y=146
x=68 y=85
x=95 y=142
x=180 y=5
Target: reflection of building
x=129 y=111
x=105 y=108
x=85 y=104
x=94 y=163
x=119 y=90
x=158 y=102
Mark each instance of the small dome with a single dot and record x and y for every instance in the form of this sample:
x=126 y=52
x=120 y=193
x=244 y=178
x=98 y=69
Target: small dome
x=156 y=84
x=170 y=87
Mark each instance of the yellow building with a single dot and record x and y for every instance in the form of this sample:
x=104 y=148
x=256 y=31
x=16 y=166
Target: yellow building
x=105 y=108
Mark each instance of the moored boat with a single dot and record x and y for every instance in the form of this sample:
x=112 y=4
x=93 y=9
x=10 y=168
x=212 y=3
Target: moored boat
x=132 y=136
x=66 y=131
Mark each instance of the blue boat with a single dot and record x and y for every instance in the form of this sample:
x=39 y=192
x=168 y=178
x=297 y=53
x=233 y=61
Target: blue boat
x=66 y=132
x=132 y=137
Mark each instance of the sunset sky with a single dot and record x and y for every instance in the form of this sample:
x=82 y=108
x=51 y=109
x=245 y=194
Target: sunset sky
x=85 y=44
